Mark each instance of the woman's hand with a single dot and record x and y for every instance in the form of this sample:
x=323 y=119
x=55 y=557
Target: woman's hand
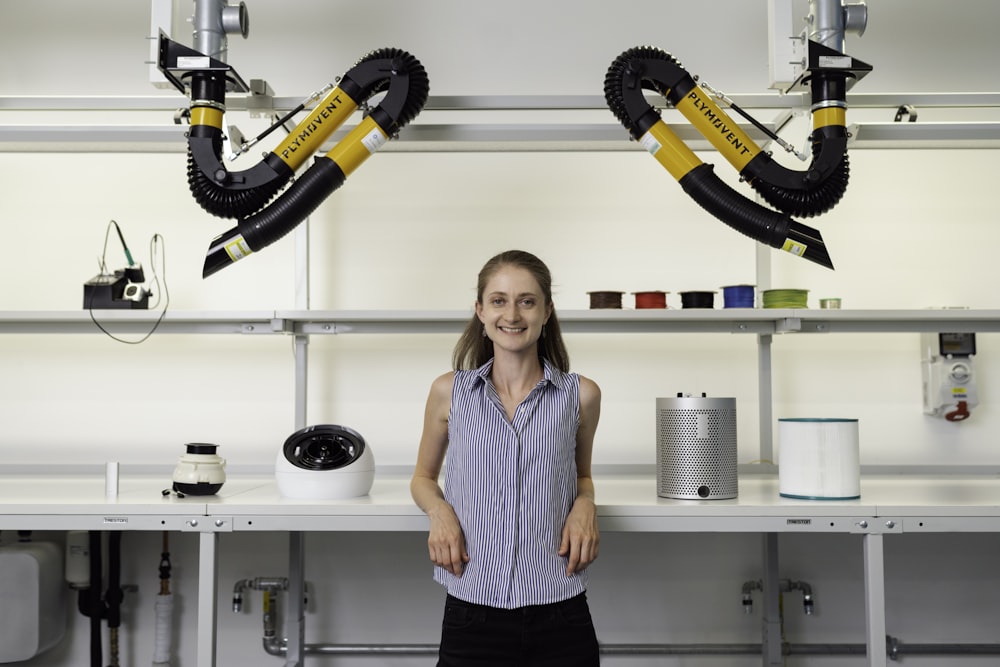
x=580 y=536
x=446 y=542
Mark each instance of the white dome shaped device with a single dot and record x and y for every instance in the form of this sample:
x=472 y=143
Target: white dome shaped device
x=325 y=462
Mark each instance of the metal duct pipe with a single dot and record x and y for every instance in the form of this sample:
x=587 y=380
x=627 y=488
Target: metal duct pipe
x=830 y=20
x=213 y=20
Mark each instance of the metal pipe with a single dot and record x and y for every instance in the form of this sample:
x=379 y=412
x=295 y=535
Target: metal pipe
x=826 y=18
x=258 y=584
x=213 y=20
x=896 y=650
x=784 y=586
x=830 y=21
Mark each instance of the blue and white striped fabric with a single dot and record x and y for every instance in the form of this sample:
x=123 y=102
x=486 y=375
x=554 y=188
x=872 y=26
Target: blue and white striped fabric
x=512 y=484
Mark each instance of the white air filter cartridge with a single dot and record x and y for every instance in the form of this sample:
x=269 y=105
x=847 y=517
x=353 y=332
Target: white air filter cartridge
x=819 y=459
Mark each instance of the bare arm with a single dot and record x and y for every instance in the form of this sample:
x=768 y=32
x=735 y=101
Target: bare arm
x=581 y=537
x=445 y=542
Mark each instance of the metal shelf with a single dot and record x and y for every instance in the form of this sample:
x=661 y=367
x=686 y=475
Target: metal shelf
x=138 y=322
x=327 y=322
x=536 y=129
x=572 y=321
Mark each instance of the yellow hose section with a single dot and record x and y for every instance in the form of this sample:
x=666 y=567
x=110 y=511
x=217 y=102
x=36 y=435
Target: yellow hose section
x=829 y=116
x=721 y=131
x=669 y=150
x=206 y=116
x=310 y=134
x=358 y=145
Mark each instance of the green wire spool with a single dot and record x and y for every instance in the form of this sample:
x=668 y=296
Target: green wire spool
x=785 y=298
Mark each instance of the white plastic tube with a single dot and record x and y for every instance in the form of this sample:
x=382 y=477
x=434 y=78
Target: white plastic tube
x=163 y=629
x=111 y=479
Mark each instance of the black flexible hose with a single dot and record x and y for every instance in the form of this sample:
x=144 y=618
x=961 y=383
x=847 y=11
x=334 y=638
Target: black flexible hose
x=383 y=69
x=813 y=198
x=227 y=195
x=294 y=205
x=95 y=605
x=628 y=72
x=218 y=191
x=114 y=596
x=390 y=62
x=798 y=193
x=747 y=217
x=214 y=196
x=742 y=214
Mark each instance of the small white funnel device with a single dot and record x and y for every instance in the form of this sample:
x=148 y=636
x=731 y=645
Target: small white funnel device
x=200 y=471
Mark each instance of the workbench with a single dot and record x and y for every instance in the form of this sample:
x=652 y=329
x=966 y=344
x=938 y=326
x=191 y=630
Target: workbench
x=889 y=505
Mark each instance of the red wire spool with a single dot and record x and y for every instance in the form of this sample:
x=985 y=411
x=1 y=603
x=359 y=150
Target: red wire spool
x=651 y=299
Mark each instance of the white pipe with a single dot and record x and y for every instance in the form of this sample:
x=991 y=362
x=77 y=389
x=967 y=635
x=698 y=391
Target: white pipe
x=163 y=629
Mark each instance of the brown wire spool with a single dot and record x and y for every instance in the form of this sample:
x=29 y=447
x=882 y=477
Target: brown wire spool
x=650 y=299
x=605 y=299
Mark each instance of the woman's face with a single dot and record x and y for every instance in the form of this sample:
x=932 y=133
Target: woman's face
x=513 y=309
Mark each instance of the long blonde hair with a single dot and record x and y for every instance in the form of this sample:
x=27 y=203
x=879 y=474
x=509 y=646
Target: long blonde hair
x=474 y=348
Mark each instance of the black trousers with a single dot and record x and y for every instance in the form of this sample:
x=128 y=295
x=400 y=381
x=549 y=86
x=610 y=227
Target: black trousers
x=552 y=635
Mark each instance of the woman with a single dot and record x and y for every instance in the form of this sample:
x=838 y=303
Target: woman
x=515 y=526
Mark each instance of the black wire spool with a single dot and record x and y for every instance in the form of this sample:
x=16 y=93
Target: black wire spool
x=696 y=299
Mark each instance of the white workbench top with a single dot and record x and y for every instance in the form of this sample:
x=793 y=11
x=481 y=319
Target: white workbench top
x=625 y=502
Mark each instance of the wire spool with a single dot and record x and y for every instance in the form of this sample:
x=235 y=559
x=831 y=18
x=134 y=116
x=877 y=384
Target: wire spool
x=785 y=298
x=738 y=296
x=696 y=299
x=653 y=299
x=605 y=299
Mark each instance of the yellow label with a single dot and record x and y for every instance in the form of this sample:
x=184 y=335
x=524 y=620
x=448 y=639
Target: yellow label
x=237 y=249
x=796 y=249
x=958 y=392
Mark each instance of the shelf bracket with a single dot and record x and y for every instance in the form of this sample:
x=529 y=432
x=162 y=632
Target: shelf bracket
x=788 y=324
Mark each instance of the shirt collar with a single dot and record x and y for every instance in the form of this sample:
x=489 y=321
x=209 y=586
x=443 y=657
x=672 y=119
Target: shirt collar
x=552 y=375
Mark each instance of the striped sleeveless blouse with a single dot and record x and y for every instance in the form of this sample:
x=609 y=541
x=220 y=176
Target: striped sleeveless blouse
x=512 y=484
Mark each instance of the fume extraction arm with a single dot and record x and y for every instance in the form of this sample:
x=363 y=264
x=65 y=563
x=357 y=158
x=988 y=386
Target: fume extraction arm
x=247 y=195
x=828 y=75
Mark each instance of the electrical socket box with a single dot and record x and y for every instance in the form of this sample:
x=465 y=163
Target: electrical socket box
x=948 y=373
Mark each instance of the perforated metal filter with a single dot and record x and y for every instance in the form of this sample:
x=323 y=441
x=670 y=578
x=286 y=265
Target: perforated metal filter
x=696 y=448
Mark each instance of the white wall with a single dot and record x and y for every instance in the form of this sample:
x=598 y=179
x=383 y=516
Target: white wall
x=410 y=230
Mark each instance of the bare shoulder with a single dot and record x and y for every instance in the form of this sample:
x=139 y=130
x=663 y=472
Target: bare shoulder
x=439 y=399
x=443 y=385
x=590 y=392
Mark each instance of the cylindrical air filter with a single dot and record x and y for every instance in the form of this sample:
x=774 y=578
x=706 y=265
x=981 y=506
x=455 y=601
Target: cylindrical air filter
x=819 y=459
x=696 y=448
